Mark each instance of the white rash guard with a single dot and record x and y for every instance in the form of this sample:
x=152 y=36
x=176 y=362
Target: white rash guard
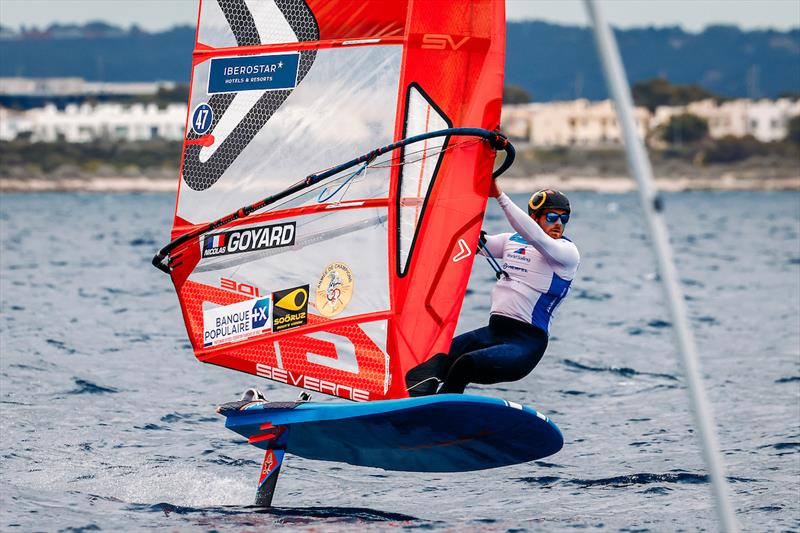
x=540 y=267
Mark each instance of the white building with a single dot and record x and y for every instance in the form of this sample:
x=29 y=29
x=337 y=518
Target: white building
x=85 y=122
x=50 y=87
x=515 y=121
x=571 y=123
x=766 y=120
x=594 y=124
x=575 y=123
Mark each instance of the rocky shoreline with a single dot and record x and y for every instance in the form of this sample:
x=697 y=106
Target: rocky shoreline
x=95 y=184
x=624 y=184
x=576 y=182
x=105 y=167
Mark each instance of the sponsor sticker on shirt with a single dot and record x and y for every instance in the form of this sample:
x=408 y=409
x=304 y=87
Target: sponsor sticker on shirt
x=236 y=322
x=249 y=239
x=519 y=254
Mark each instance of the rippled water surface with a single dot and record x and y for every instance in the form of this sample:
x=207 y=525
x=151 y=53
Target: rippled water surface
x=108 y=420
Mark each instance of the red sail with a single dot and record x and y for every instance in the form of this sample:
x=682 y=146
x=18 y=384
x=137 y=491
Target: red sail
x=345 y=286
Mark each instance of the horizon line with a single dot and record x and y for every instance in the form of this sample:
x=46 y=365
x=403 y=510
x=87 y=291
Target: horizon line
x=33 y=27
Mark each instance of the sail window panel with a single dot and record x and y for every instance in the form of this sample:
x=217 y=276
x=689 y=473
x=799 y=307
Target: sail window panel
x=229 y=23
x=213 y=29
x=344 y=106
x=420 y=163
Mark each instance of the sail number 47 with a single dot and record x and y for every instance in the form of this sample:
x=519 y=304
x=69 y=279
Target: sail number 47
x=202 y=118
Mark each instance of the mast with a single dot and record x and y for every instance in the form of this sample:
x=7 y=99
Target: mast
x=652 y=206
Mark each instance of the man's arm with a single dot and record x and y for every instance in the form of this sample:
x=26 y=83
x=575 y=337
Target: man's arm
x=560 y=251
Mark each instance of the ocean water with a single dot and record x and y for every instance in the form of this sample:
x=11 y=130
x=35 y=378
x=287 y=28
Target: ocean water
x=107 y=420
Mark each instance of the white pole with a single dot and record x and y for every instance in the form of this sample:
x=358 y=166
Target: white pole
x=639 y=165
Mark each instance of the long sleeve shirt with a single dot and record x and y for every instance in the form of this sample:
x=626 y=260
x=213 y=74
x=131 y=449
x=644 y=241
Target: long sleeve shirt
x=540 y=268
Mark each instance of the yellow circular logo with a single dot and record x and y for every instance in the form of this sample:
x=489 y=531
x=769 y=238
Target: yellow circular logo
x=334 y=289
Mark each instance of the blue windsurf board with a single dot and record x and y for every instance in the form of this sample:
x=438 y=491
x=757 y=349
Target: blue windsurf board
x=441 y=433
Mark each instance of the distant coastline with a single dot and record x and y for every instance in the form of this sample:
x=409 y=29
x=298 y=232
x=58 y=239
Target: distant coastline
x=609 y=184
x=151 y=167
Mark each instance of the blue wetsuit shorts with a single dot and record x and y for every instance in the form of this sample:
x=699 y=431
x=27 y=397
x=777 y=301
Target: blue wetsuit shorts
x=505 y=350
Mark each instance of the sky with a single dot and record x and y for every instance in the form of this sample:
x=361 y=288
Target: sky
x=692 y=15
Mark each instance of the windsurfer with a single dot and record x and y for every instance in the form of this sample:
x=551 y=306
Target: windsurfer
x=539 y=264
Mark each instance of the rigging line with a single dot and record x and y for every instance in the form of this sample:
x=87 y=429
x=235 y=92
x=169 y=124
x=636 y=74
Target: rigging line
x=403 y=159
x=409 y=161
x=322 y=200
x=350 y=182
x=299 y=198
x=498 y=270
x=442 y=148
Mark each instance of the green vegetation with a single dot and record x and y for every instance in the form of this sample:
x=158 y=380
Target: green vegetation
x=177 y=94
x=685 y=128
x=514 y=94
x=791 y=95
x=687 y=136
x=793 y=135
x=658 y=91
x=733 y=149
x=708 y=157
x=26 y=159
x=738 y=149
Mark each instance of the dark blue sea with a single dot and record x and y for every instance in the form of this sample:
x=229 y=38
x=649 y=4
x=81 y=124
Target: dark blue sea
x=107 y=420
